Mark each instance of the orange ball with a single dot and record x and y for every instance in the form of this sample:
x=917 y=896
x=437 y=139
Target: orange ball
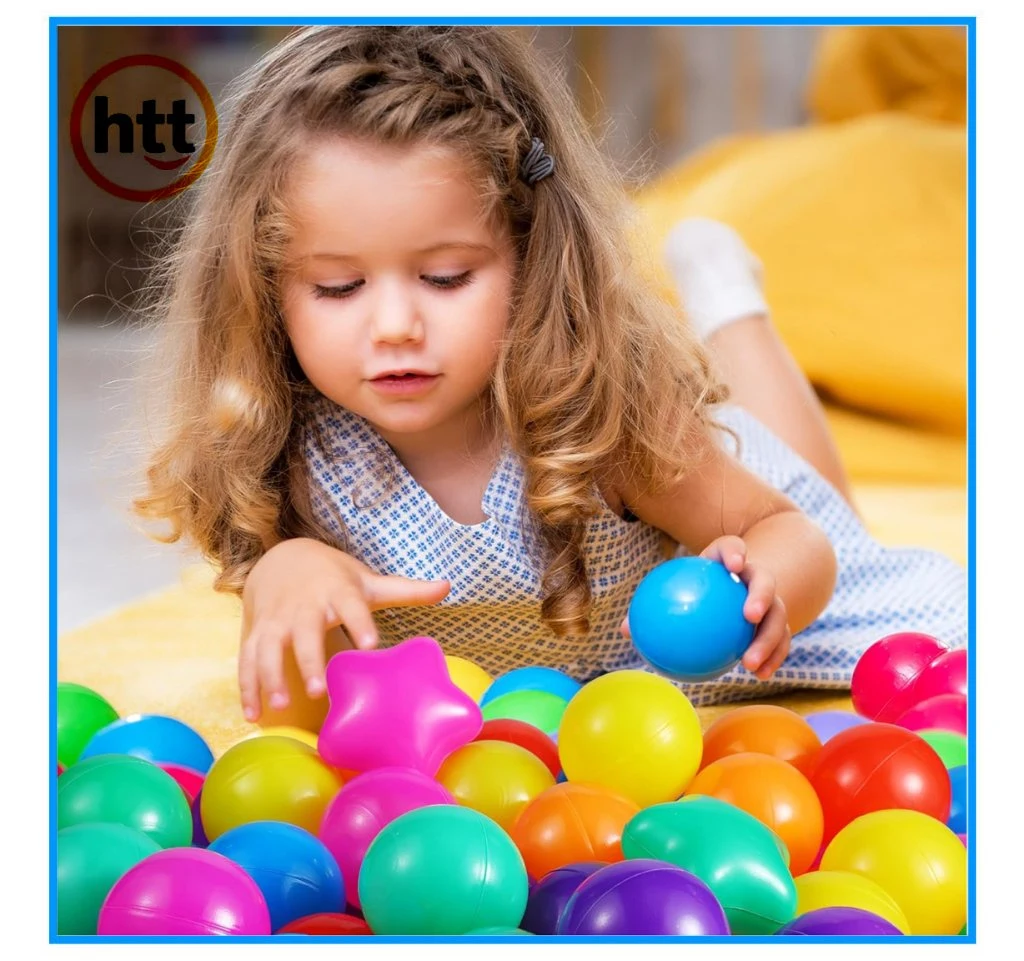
x=774 y=792
x=571 y=822
x=762 y=729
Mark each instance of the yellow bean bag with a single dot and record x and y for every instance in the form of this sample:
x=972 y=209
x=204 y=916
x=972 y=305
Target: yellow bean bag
x=860 y=222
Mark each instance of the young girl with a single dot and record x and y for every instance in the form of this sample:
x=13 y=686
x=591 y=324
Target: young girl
x=420 y=389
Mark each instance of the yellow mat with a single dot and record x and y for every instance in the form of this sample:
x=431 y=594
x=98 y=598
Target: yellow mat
x=174 y=652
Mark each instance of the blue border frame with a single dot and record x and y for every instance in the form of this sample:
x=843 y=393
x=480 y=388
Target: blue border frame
x=971 y=26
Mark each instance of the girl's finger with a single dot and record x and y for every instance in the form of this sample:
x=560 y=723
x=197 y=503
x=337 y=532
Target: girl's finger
x=394 y=591
x=778 y=656
x=308 y=644
x=769 y=635
x=760 y=593
x=271 y=670
x=730 y=550
x=353 y=614
x=248 y=680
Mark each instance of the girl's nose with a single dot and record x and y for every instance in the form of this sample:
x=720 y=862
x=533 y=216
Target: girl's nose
x=396 y=318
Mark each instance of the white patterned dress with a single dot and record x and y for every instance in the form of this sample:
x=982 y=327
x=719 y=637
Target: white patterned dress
x=370 y=506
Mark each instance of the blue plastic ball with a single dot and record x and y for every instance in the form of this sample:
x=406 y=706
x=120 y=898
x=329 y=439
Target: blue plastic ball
x=532 y=679
x=293 y=869
x=155 y=738
x=686 y=619
x=957 y=821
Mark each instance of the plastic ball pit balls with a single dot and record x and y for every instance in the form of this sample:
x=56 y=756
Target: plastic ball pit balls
x=643 y=896
x=286 y=730
x=499 y=932
x=874 y=767
x=327 y=923
x=633 y=732
x=836 y=889
x=199 y=838
x=950 y=746
x=549 y=896
x=81 y=712
x=774 y=792
x=121 y=789
x=571 y=822
x=155 y=738
x=90 y=858
x=442 y=869
x=947 y=712
x=468 y=677
x=532 y=679
x=686 y=619
x=362 y=808
x=542 y=709
x=495 y=778
x=185 y=891
x=761 y=729
x=947 y=674
x=883 y=682
x=294 y=870
x=957 y=821
x=525 y=735
x=915 y=858
x=267 y=779
x=827 y=724
x=840 y=922
x=189 y=780
x=740 y=859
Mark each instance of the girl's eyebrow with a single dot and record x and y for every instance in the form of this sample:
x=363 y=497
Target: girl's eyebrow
x=444 y=245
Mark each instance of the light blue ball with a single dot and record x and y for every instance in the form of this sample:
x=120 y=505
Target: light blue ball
x=293 y=869
x=155 y=738
x=686 y=619
x=532 y=679
x=957 y=820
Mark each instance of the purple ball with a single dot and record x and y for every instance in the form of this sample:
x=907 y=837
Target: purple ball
x=199 y=839
x=549 y=896
x=840 y=922
x=643 y=896
x=827 y=724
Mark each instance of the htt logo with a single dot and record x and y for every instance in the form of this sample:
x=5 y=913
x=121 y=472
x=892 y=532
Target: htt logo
x=151 y=123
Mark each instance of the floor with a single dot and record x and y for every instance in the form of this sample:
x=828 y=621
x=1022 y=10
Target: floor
x=103 y=561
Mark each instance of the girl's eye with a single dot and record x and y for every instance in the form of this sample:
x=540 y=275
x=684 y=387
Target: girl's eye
x=345 y=290
x=447 y=283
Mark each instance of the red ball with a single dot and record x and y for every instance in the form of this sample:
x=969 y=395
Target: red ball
x=327 y=923
x=876 y=767
x=883 y=682
x=947 y=674
x=533 y=739
x=947 y=712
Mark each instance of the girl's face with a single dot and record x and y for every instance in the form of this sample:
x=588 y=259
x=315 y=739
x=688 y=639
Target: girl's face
x=399 y=295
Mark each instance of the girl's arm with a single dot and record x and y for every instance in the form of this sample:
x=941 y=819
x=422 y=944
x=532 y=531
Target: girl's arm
x=722 y=510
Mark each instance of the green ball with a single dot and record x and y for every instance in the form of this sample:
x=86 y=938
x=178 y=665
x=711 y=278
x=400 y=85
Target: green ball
x=122 y=789
x=81 y=712
x=442 y=869
x=501 y=931
x=91 y=858
x=542 y=709
x=949 y=745
x=743 y=862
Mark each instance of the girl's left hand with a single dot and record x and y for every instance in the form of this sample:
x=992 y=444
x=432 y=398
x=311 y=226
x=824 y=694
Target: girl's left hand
x=763 y=606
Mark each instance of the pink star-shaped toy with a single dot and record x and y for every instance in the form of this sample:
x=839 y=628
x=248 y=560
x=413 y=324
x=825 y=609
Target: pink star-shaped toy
x=395 y=707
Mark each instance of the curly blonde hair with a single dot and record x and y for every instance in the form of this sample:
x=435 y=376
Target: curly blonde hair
x=596 y=375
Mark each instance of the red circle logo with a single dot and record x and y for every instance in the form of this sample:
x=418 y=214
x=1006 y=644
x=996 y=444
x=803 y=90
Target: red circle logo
x=175 y=186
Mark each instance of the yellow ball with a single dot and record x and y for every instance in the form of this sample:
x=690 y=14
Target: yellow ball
x=634 y=733
x=842 y=889
x=495 y=778
x=284 y=730
x=468 y=677
x=919 y=861
x=267 y=779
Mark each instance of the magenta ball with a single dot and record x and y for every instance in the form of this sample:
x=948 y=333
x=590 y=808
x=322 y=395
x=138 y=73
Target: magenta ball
x=947 y=674
x=839 y=922
x=549 y=896
x=184 y=891
x=883 y=682
x=364 y=806
x=643 y=896
x=947 y=712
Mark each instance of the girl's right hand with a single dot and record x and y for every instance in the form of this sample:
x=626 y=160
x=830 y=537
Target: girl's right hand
x=295 y=593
